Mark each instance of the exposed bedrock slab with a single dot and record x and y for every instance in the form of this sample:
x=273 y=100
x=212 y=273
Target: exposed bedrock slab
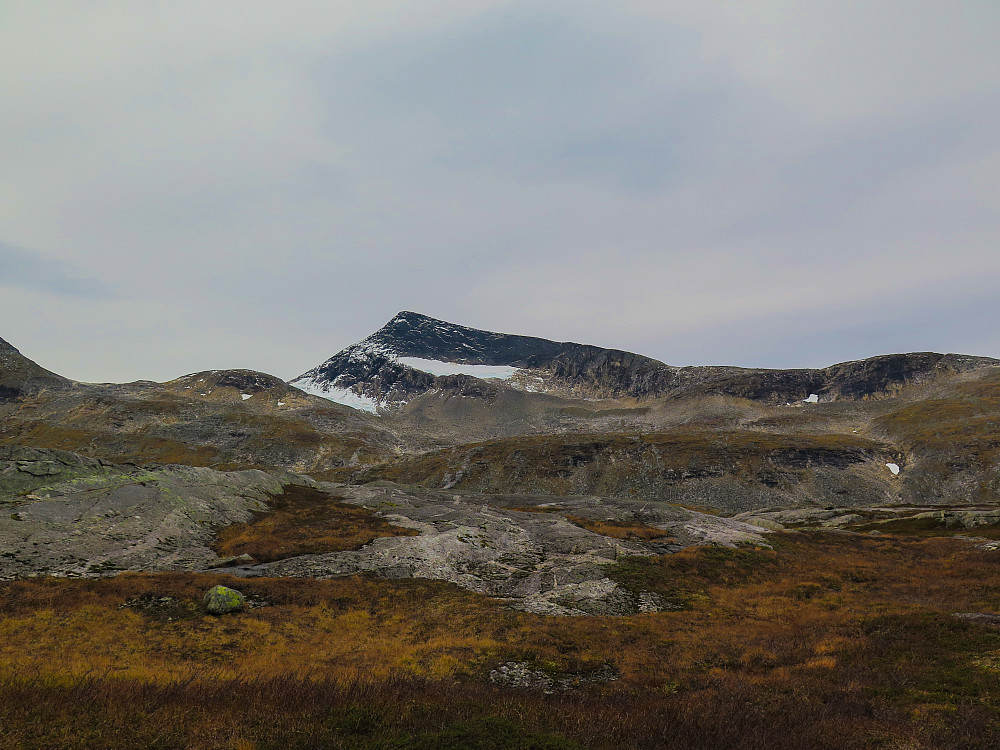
x=106 y=519
x=127 y=518
x=539 y=560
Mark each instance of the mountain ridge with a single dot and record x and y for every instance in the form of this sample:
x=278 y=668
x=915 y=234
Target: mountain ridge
x=384 y=369
x=20 y=376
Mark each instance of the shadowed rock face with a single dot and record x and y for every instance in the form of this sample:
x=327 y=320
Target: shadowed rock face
x=372 y=368
x=884 y=373
x=19 y=376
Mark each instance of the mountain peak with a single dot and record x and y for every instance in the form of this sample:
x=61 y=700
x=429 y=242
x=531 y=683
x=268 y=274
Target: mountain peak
x=415 y=353
x=408 y=316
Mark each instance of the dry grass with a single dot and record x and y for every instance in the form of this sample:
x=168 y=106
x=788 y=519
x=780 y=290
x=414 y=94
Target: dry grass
x=963 y=423
x=620 y=529
x=831 y=640
x=624 y=465
x=164 y=427
x=304 y=521
x=607 y=527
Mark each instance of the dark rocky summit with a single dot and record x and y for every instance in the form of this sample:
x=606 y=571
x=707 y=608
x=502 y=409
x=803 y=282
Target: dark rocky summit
x=371 y=366
x=373 y=369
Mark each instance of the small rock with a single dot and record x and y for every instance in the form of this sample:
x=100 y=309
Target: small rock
x=985 y=618
x=229 y=562
x=650 y=602
x=518 y=674
x=844 y=520
x=221 y=600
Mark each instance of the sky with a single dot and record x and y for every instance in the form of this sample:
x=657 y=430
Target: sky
x=190 y=185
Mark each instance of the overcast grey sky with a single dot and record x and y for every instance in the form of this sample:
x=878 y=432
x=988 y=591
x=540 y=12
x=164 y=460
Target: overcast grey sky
x=199 y=185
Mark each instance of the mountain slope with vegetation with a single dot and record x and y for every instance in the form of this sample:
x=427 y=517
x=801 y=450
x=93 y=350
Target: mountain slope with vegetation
x=525 y=544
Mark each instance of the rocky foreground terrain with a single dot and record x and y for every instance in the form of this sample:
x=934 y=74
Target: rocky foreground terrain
x=449 y=538
x=520 y=467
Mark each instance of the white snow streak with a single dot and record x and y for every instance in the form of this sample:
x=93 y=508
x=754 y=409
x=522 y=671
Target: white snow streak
x=894 y=468
x=437 y=367
x=344 y=396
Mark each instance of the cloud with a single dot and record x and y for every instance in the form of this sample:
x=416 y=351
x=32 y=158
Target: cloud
x=26 y=269
x=941 y=317
x=532 y=95
x=671 y=176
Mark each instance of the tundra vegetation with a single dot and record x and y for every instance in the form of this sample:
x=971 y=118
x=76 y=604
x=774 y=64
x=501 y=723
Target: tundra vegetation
x=810 y=558
x=828 y=639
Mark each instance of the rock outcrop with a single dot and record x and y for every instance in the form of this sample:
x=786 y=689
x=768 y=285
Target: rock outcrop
x=380 y=369
x=100 y=519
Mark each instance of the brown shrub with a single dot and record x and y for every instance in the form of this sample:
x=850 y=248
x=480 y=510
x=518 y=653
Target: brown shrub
x=304 y=521
x=831 y=640
x=620 y=529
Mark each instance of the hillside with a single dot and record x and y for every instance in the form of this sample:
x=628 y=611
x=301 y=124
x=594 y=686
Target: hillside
x=414 y=354
x=451 y=538
x=20 y=377
x=715 y=437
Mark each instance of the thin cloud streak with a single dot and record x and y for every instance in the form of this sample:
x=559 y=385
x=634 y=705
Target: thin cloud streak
x=25 y=269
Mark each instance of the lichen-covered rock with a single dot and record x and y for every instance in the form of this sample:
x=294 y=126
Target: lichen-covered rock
x=520 y=675
x=221 y=600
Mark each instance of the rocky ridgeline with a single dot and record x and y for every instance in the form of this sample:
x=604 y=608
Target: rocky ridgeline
x=371 y=368
x=20 y=377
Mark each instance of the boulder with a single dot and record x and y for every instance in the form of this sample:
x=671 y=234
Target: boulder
x=221 y=600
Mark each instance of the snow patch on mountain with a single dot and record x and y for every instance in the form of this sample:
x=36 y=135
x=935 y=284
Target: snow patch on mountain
x=339 y=395
x=437 y=368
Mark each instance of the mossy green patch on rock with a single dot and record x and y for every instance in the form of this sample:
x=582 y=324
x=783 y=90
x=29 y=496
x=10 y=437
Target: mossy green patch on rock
x=222 y=600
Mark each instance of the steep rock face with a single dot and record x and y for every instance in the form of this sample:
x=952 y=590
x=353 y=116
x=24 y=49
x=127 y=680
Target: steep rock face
x=888 y=372
x=414 y=354
x=376 y=368
x=864 y=378
x=19 y=376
